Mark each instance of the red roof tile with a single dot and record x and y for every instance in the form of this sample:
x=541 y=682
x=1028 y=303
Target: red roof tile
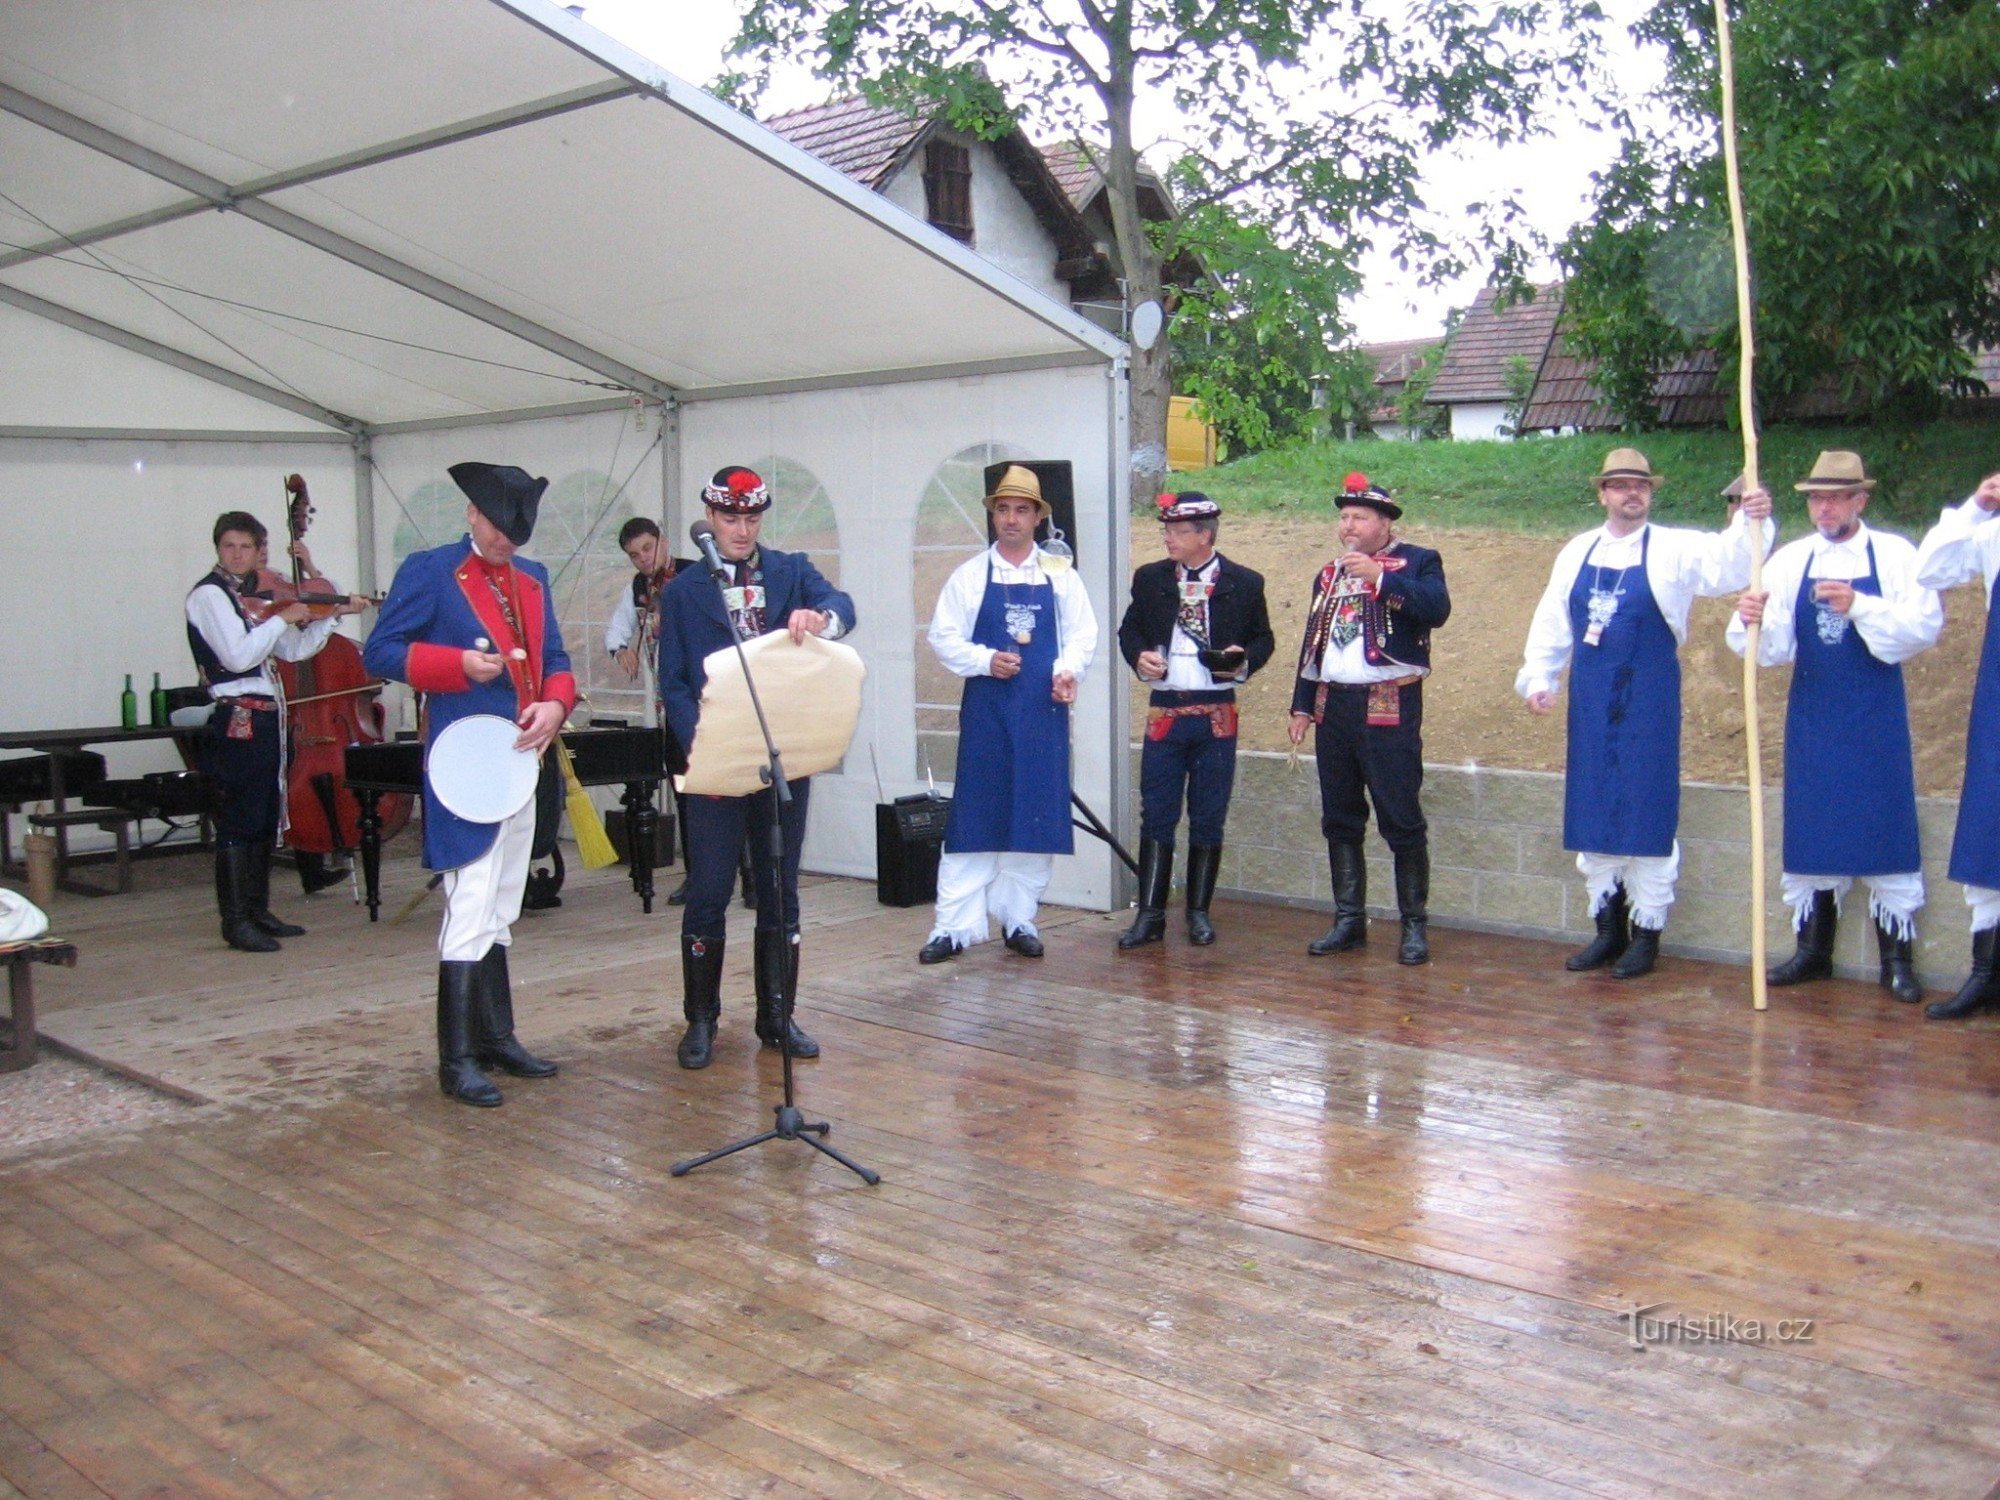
x=1485 y=344
x=866 y=141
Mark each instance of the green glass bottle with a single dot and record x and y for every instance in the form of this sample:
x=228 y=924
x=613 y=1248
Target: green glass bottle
x=159 y=703
x=128 y=705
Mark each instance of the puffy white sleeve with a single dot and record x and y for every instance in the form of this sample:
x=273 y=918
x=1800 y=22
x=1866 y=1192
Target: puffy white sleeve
x=305 y=642
x=1078 y=622
x=1964 y=545
x=624 y=623
x=1778 y=642
x=1550 y=640
x=240 y=651
x=950 y=635
x=1712 y=563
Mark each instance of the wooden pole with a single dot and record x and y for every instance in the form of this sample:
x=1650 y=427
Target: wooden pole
x=1747 y=418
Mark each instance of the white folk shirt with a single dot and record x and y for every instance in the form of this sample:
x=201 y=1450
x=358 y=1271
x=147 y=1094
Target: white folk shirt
x=1350 y=663
x=1964 y=545
x=958 y=611
x=1681 y=565
x=248 y=653
x=1185 y=673
x=623 y=627
x=1906 y=619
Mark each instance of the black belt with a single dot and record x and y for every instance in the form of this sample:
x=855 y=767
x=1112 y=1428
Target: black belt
x=1176 y=697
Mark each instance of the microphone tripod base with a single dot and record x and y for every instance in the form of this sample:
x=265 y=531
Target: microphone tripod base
x=791 y=1125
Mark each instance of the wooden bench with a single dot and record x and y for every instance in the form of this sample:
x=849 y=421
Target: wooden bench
x=116 y=821
x=21 y=958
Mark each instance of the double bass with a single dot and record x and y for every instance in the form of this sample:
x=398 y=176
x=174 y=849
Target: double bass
x=330 y=703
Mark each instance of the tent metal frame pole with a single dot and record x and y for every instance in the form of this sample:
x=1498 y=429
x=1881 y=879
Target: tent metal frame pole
x=291 y=225
x=193 y=364
x=333 y=166
x=1118 y=485
x=499 y=418
x=1006 y=365
x=364 y=512
x=30 y=433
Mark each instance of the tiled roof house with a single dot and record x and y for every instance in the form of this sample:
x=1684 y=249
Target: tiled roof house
x=1481 y=354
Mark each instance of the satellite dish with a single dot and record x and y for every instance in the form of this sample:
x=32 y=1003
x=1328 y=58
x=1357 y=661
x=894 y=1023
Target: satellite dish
x=1147 y=321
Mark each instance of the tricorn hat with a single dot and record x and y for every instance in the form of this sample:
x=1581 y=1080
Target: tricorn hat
x=506 y=496
x=1357 y=489
x=1837 y=469
x=737 y=490
x=1626 y=463
x=1019 y=483
x=1189 y=505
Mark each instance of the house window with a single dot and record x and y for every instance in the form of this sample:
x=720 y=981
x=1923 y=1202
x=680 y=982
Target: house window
x=948 y=188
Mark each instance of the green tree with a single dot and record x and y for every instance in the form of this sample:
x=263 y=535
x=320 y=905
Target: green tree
x=1309 y=117
x=1869 y=137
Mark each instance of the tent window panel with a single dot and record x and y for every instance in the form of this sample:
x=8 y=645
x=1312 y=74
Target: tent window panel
x=948 y=188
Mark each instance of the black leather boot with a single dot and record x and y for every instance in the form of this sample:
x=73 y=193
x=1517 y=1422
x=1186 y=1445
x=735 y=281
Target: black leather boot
x=1814 y=959
x=1156 y=877
x=458 y=1000
x=318 y=872
x=1640 y=954
x=1611 y=939
x=1413 y=894
x=1350 y=901
x=775 y=966
x=1979 y=992
x=232 y=886
x=257 y=898
x=1204 y=861
x=497 y=1047
x=1899 y=972
x=701 y=999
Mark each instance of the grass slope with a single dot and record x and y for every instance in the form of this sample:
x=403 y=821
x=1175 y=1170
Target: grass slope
x=1541 y=486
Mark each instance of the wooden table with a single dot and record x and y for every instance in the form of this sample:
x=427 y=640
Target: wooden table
x=51 y=740
x=21 y=959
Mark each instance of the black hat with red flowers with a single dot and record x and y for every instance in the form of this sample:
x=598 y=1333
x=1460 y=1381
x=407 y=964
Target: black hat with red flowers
x=738 y=490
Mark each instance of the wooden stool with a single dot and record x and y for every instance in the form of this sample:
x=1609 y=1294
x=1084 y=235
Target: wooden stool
x=113 y=820
x=21 y=959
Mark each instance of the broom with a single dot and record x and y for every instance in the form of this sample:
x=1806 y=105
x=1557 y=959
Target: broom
x=593 y=844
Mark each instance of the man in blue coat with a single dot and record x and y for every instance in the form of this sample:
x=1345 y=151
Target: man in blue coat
x=766 y=590
x=474 y=627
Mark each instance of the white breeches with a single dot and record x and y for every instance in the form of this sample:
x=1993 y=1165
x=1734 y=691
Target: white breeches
x=1648 y=880
x=972 y=887
x=1893 y=900
x=482 y=900
x=1985 y=904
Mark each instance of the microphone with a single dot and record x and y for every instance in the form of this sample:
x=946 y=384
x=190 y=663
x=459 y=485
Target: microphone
x=703 y=536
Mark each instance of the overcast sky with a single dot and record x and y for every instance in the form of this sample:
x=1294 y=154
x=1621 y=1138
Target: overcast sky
x=1551 y=177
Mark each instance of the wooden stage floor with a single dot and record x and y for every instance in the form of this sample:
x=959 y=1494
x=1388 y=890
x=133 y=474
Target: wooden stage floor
x=1229 y=1222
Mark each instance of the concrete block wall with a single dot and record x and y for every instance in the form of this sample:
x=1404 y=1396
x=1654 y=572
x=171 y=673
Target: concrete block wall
x=1498 y=865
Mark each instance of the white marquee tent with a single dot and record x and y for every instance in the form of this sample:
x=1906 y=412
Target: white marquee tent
x=365 y=239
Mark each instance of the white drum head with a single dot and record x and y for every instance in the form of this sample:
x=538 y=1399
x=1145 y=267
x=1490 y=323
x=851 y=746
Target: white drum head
x=476 y=773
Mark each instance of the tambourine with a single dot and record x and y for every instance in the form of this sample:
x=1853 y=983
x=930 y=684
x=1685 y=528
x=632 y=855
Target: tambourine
x=475 y=772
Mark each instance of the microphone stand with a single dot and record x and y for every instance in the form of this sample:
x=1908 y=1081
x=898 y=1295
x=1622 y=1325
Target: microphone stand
x=791 y=1123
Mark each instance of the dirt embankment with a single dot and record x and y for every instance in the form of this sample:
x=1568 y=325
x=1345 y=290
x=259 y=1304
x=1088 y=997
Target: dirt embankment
x=1470 y=711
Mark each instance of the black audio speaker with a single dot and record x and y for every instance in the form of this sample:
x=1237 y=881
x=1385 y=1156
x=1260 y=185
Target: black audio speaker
x=1058 y=488
x=909 y=837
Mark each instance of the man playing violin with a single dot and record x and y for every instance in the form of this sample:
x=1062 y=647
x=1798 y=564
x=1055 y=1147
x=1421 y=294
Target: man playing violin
x=233 y=645
x=474 y=626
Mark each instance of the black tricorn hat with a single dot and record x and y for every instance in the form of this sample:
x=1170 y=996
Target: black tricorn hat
x=505 y=495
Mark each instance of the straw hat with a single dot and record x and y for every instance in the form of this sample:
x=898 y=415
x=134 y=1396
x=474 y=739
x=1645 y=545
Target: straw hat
x=1019 y=483
x=1626 y=463
x=1837 y=469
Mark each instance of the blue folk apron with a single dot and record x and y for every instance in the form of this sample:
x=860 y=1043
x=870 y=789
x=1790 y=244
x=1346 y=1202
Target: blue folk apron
x=1622 y=793
x=1843 y=816
x=1011 y=792
x=1975 y=846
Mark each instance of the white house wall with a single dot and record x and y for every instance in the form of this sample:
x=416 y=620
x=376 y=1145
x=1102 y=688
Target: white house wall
x=1476 y=421
x=874 y=448
x=1005 y=230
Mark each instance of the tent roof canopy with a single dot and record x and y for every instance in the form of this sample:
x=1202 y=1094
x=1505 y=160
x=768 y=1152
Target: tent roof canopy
x=381 y=215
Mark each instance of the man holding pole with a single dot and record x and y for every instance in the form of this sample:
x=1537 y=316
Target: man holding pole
x=1964 y=545
x=1844 y=606
x=1615 y=613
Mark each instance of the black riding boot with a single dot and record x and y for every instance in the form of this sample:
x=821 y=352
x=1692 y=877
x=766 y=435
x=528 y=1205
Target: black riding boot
x=1640 y=954
x=318 y=872
x=1611 y=938
x=1899 y=973
x=1979 y=992
x=1204 y=861
x=232 y=898
x=1413 y=894
x=775 y=966
x=1814 y=960
x=497 y=1047
x=1156 y=877
x=1350 y=901
x=701 y=998
x=458 y=1000
x=257 y=896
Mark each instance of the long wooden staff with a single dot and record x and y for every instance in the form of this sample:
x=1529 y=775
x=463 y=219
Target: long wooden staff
x=1747 y=417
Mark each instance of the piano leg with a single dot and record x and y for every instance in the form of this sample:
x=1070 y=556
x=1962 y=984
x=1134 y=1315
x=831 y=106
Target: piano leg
x=641 y=827
x=371 y=849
